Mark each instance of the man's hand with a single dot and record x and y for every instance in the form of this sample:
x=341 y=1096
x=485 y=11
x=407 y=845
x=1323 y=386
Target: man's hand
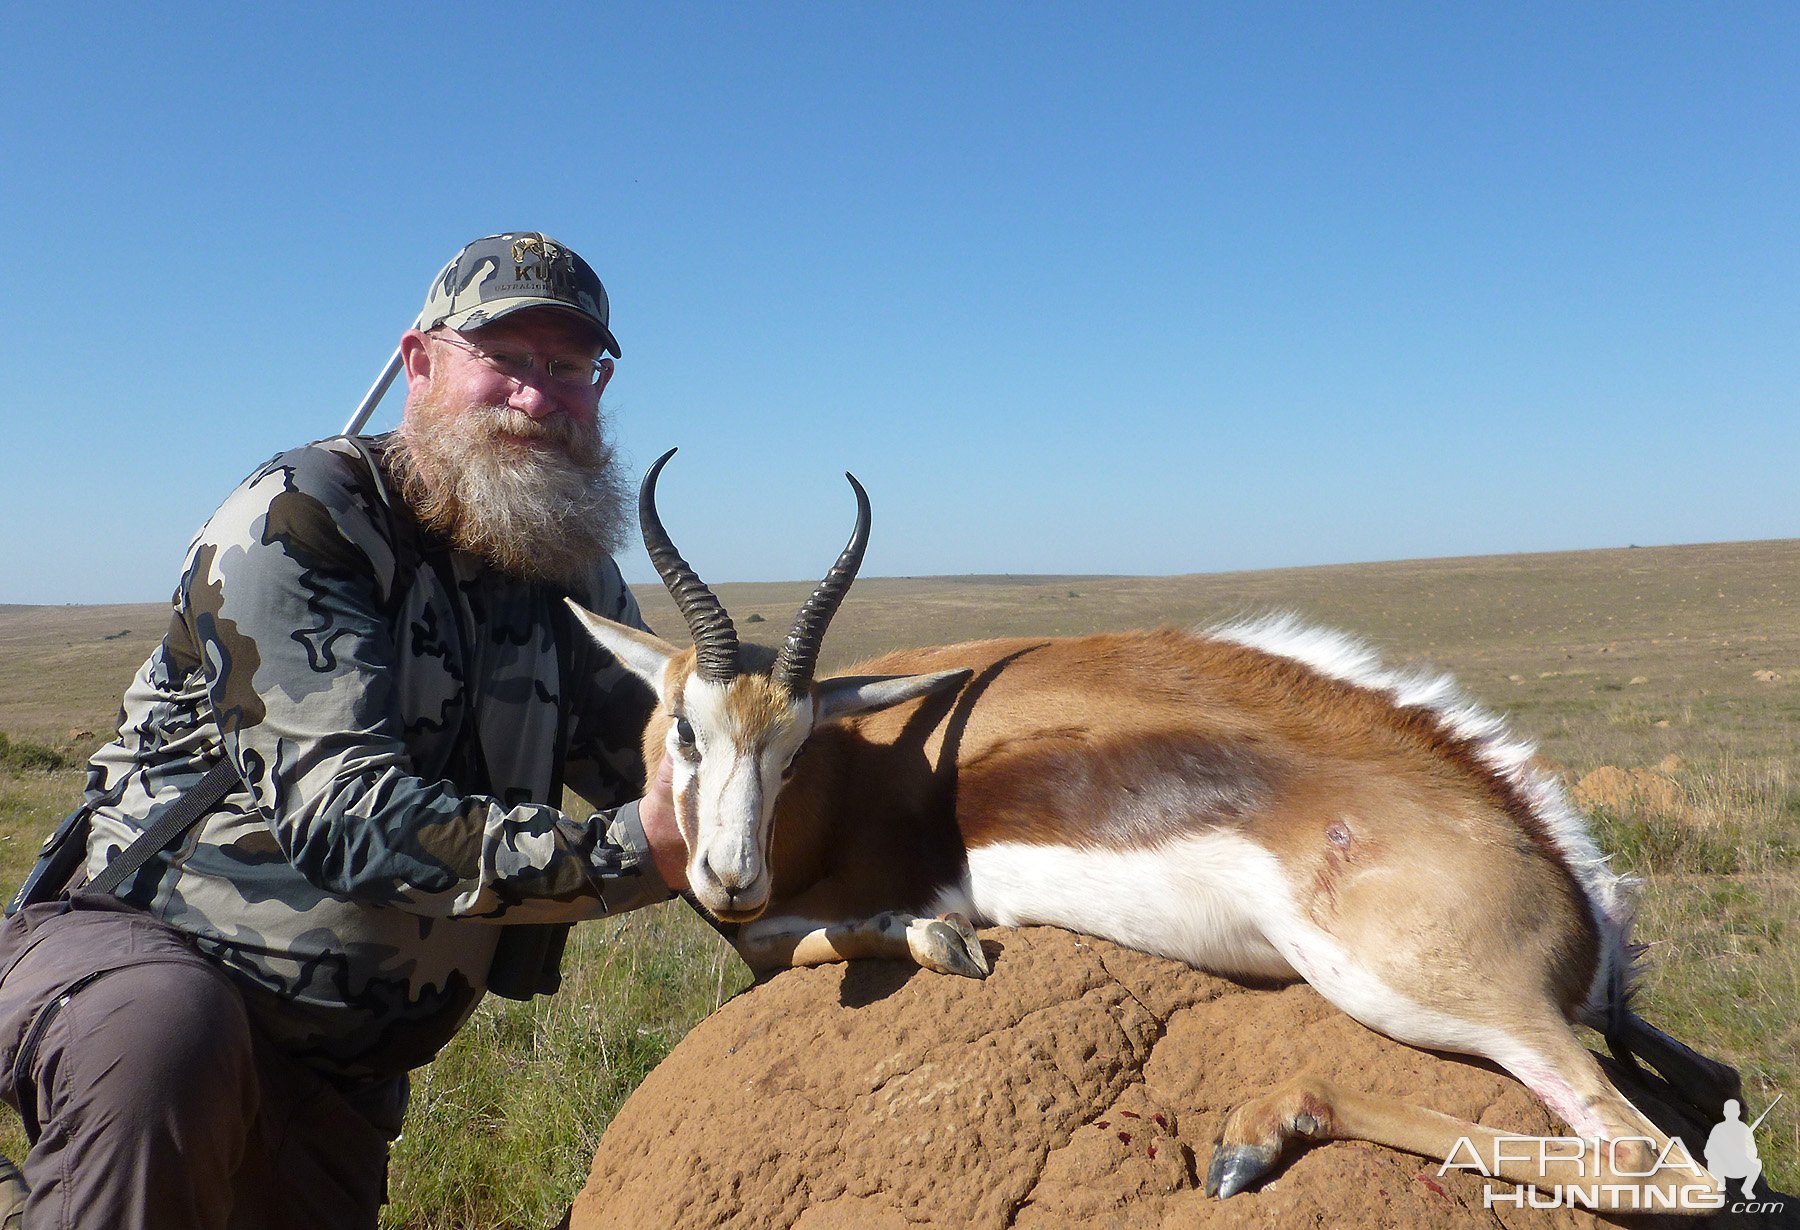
x=657 y=814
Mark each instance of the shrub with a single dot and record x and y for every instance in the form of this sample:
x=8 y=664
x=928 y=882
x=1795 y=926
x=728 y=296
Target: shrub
x=19 y=755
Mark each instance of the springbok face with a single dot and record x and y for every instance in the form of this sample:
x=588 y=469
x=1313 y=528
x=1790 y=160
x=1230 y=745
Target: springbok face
x=734 y=731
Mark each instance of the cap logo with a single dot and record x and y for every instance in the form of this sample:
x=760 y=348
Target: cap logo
x=537 y=259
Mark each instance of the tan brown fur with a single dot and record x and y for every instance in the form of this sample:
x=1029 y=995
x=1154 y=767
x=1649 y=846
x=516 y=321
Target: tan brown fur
x=675 y=677
x=756 y=703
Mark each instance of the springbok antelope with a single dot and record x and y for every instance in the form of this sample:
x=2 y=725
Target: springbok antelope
x=1261 y=800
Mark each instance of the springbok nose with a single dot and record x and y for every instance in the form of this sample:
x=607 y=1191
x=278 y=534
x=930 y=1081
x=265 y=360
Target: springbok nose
x=728 y=884
x=734 y=892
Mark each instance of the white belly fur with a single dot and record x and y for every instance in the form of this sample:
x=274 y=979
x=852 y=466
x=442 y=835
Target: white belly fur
x=1203 y=899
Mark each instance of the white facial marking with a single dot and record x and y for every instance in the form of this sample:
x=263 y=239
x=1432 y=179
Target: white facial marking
x=737 y=774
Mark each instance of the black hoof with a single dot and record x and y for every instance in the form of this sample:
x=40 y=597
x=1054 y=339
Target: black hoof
x=950 y=947
x=1237 y=1168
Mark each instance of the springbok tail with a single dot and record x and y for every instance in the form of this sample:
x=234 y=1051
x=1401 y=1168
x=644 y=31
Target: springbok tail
x=1615 y=1020
x=1704 y=1084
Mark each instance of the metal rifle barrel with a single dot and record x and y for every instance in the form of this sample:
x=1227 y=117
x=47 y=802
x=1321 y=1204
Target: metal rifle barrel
x=373 y=397
x=1765 y=1114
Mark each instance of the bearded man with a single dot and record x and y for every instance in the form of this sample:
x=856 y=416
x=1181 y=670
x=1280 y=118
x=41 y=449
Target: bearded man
x=370 y=633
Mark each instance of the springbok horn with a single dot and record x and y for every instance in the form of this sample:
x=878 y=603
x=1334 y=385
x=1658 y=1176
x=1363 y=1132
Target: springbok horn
x=714 y=636
x=800 y=653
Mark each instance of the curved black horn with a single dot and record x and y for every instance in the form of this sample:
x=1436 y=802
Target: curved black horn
x=711 y=627
x=800 y=653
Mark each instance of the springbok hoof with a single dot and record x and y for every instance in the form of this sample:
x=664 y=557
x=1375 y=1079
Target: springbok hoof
x=948 y=945
x=1236 y=1168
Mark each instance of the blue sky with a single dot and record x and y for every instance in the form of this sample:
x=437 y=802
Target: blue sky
x=1072 y=288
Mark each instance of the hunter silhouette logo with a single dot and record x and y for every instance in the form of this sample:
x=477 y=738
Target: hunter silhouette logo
x=1731 y=1149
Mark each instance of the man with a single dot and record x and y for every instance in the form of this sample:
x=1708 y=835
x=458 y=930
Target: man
x=371 y=634
x=1731 y=1149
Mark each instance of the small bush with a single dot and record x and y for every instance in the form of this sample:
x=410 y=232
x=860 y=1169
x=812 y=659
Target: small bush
x=19 y=755
x=1655 y=843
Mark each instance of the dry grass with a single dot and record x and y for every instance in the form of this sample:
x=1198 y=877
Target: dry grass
x=1612 y=658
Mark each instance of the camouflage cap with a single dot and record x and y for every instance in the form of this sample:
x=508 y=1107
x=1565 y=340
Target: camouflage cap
x=498 y=274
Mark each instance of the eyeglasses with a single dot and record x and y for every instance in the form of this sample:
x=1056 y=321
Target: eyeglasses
x=571 y=371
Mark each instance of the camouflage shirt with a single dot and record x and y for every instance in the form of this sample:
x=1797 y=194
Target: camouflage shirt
x=395 y=723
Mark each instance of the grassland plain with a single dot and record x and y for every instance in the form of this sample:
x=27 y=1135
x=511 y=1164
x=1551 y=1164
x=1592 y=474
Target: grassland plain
x=1672 y=672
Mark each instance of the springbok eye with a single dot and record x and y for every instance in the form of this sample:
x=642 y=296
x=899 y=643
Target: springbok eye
x=684 y=731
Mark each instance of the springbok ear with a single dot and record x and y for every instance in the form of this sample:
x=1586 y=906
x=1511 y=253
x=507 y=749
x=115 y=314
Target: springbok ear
x=640 y=653
x=850 y=695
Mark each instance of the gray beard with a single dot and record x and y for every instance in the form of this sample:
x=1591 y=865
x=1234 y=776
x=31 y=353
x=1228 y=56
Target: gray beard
x=540 y=514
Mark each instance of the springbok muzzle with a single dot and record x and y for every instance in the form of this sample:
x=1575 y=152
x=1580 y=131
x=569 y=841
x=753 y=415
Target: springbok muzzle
x=728 y=866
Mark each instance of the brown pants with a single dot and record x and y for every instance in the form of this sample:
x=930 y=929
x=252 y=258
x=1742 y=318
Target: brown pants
x=149 y=1098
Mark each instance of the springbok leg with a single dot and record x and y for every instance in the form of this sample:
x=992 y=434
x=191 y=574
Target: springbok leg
x=1618 y=1172
x=946 y=945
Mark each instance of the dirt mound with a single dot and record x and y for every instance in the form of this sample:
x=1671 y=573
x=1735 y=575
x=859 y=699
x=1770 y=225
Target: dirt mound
x=1627 y=790
x=1079 y=1086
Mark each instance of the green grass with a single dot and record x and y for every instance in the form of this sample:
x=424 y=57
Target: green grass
x=23 y=755
x=1723 y=973
x=504 y=1124
x=1732 y=819
x=32 y=802
x=1719 y=914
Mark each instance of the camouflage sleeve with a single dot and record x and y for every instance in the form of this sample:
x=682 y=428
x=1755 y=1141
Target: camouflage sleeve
x=288 y=594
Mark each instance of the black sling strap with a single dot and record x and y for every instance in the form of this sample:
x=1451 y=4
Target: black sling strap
x=199 y=799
